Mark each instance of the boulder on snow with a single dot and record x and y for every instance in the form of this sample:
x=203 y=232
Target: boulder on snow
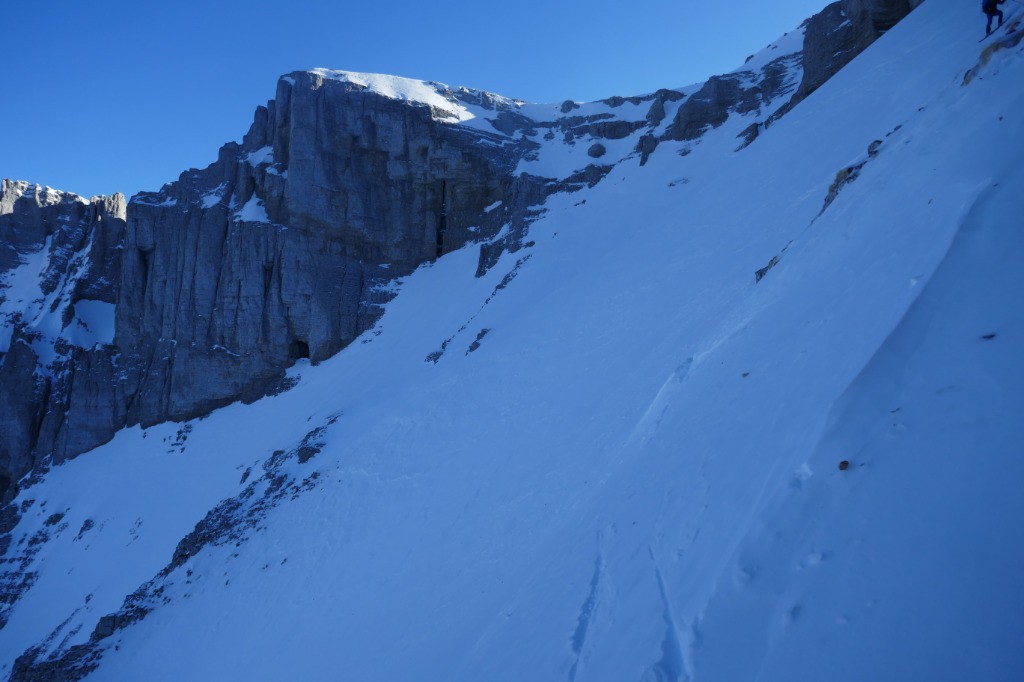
x=646 y=146
x=105 y=628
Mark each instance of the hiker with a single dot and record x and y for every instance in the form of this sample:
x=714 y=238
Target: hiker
x=989 y=8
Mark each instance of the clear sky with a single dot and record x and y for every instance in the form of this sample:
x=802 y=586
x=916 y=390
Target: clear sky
x=106 y=96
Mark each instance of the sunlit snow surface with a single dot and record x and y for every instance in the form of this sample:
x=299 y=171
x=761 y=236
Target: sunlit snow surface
x=396 y=87
x=635 y=476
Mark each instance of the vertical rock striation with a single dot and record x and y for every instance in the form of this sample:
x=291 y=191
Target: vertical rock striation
x=60 y=266
x=277 y=250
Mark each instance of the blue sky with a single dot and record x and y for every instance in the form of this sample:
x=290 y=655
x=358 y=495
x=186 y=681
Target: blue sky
x=100 y=97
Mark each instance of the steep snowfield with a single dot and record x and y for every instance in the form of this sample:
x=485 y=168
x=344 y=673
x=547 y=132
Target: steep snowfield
x=634 y=474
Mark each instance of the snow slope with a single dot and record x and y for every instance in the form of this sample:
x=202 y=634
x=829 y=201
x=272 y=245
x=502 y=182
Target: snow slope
x=632 y=474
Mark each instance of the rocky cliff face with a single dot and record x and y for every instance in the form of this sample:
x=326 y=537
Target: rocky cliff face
x=840 y=32
x=60 y=266
x=284 y=248
x=280 y=249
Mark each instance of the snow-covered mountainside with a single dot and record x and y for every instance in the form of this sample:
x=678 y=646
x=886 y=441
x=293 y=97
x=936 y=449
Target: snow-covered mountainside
x=702 y=414
x=289 y=244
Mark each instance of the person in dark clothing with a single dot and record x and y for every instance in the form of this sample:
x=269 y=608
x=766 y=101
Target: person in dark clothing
x=990 y=10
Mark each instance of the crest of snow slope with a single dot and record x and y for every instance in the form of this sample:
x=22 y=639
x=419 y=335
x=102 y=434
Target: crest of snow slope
x=405 y=89
x=633 y=476
x=559 y=159
x=556 y=157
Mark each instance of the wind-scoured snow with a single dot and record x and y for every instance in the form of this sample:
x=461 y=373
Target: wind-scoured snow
x=92 y=324
x=625 y=466
x=260 y=156
x=213 y=197
x=45 y=195
x=789 y=44
x=22 y=296
x=453 y=101
x=253 y=211
x=404 y=89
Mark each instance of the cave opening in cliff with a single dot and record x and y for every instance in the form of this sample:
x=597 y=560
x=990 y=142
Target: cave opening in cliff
x=298 y=349
x=442 y=219
x=268 y=278
x=144 y=267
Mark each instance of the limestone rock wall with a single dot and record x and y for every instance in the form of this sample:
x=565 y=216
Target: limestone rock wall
x=843 y=30
x=276 y=251
x=57 y=251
